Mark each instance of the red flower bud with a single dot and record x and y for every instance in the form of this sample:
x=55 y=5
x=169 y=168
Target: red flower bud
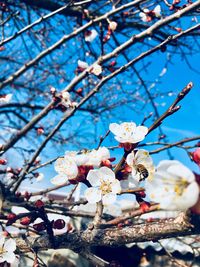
x=39 y=226
x=11 y=217
x=25 y=221
x=39 y=204
x=178 y=29
x=144 y=206
x=142 y=194
x=113 y=63
x=59 y=224
x=40 y=130
x=79 y=91
x=196 y=156
x=18 y=194
x=106 y=163
x=9 y=169
x=120 y=225
x=3 y=161
x=27 y=195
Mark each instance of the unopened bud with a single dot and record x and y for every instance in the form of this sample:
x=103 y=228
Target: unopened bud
x=25 y=221
x=3 y=161
x=59 y=224
x=39 y=204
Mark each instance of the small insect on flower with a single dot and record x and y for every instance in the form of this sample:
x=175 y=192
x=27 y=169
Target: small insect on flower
x=142 y=171
x=141 y=164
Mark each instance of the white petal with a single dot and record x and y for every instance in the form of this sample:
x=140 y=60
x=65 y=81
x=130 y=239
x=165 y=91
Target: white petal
x=181 y=171
x=59 y=165
x=82 y=64
x=94 y=178
x=130 y=159
x=92 y=195
x=59 y=179
x=81 y=159
x=157 y=11
x=108 y=199
x=116 y=188
x=10 y=245
x=104 y=153
x=92 y=36
x=142 y=130
x=107 y=174
x=96 y=69
x=114 y=128
x=9 y=257
x=189 y=197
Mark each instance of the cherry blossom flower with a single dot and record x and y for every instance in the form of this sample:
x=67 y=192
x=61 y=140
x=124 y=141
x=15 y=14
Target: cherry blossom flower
x=4 y=99
x=7 y=248
x=66 y=168
x=95 y=157
x=128 y=132
x=141 y=164
x=82 y=64
x=112 y=25
x=173 y=186
x=90 y=35
x=96 y=69
x=147 y=14
x=39 y=177
x=104 y=186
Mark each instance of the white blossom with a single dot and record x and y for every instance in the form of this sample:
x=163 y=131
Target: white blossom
x=146 y=14
x=96 y=69
x=157 y=11
x=79 y=159
x=128 y=132
x=82 y=64
x=138 y=160
x=40 y=177
x=173 y=186
x=112 y=25
x=104 y=186
x=91 y=35
x=95 y=157
x=4 y=99
x=143 y=15
x=7 y=248
x=66 y=168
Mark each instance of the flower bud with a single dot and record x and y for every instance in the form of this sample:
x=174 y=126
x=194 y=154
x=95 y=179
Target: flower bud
x=196 y=156
x=40 y=130
x=39 y=226
x=59 y=224
x=112 y=26
x=3 y=161
x=27 y=195
x=18 y=194
x=39 y=204
x=144 y=206
x=25 y=221
x=11 y=218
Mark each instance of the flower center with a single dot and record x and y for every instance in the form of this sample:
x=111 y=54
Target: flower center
x=180 y=186
x=105 y=187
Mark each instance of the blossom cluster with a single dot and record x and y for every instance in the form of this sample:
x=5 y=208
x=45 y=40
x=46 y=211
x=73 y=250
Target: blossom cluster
x=171 y=184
